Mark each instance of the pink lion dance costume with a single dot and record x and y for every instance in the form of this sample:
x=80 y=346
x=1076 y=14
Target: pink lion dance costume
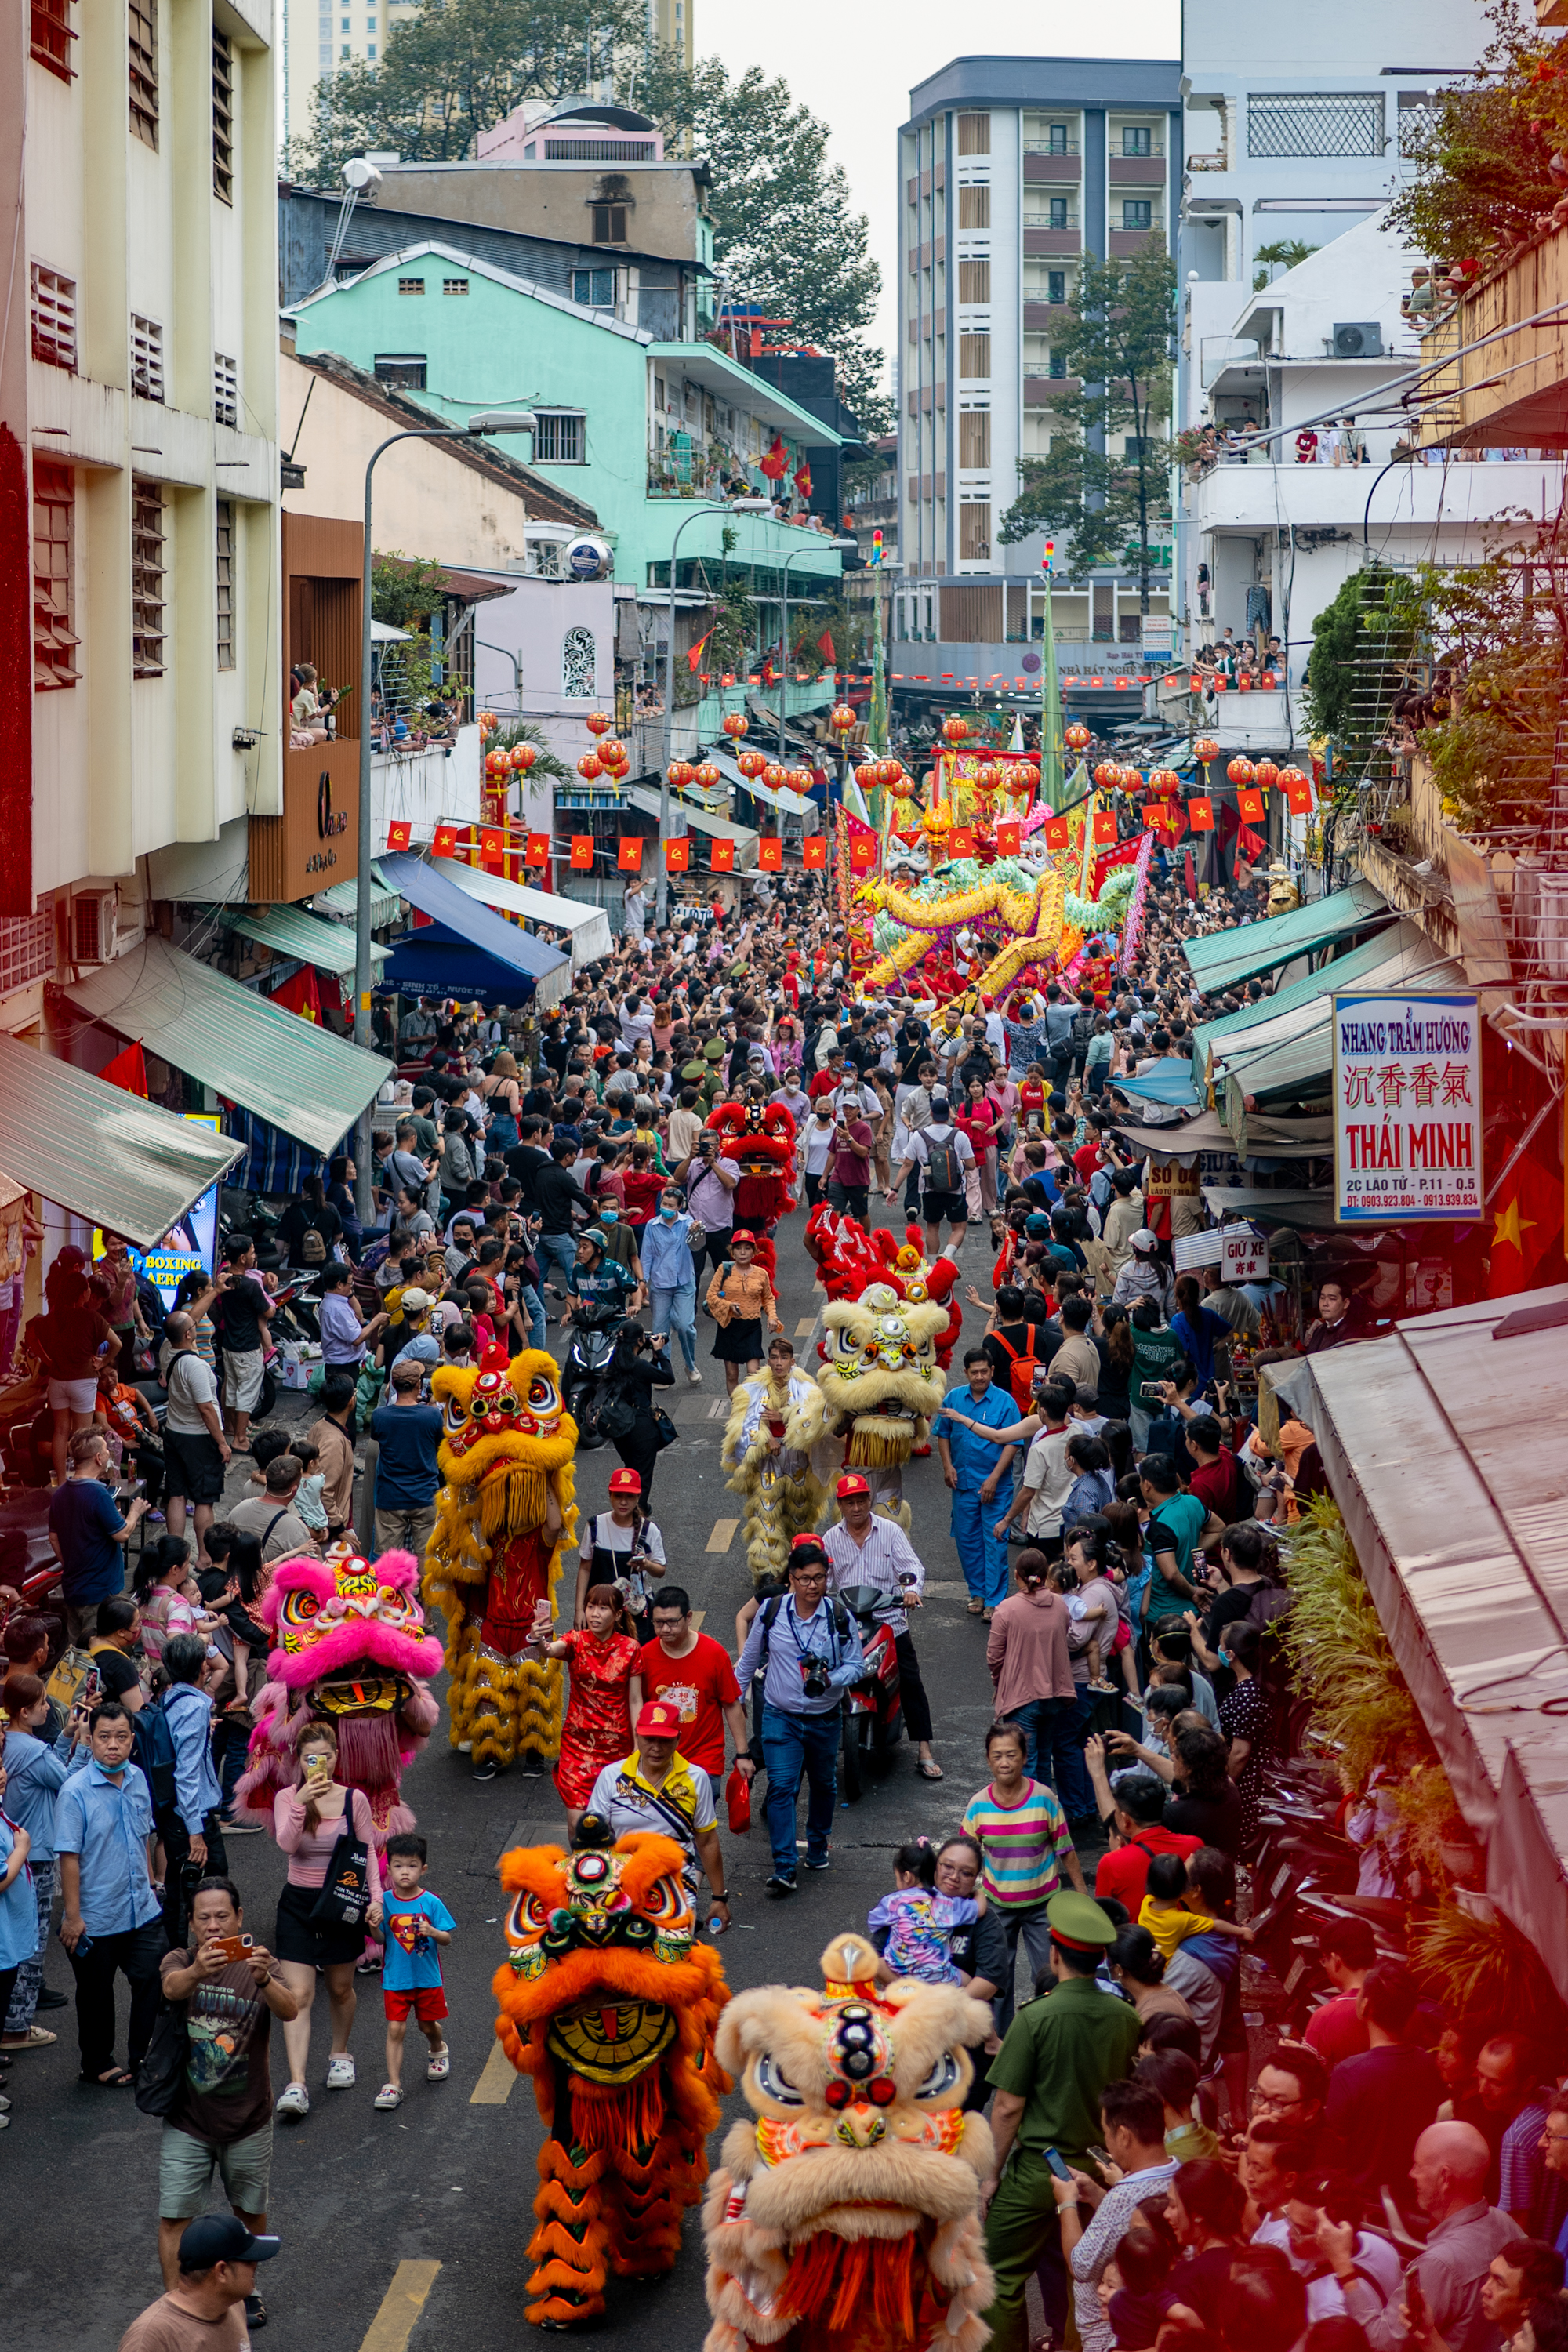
x=351 y=1646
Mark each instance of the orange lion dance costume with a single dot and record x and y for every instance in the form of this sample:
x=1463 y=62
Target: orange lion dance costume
x=610 y=2002
x=846 y=2218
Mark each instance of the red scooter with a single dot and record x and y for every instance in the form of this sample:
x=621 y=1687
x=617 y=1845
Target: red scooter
x=873 y=1710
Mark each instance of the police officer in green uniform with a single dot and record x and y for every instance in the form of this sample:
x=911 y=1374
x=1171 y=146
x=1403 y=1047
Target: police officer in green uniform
x=1060 y=2053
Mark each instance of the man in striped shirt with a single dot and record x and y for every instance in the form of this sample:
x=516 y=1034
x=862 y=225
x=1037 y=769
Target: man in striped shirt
x=865 y=1549
x=1027 y=1851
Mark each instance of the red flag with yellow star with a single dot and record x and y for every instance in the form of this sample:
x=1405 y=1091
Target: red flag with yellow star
x=1527 y=1232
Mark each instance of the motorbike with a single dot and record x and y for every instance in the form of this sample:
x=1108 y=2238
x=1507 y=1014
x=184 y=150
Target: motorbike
x=593 y=1337
x=872 y=1716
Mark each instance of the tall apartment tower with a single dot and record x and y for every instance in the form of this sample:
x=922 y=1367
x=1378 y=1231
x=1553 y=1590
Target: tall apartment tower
x=1010 y=170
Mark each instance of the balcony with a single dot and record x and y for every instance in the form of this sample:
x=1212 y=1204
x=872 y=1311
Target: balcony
x=1041 y=318
x=1137 y=170
x=1040 y=244
x=1039 y=166
x=1248 y=498
x=1125 y=243
x=1513 y=392
x=1040 y=391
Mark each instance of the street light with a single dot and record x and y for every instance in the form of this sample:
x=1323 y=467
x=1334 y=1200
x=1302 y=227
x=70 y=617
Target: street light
x=815 y=543
x=661 y=880
x=487 y=421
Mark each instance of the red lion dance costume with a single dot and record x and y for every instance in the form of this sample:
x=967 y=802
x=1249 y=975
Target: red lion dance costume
x=351 y=1646
x=849 y=1259
x=609 y=2001
x=761 y=1138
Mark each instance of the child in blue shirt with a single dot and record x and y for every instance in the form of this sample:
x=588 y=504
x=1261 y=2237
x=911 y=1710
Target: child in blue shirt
x=413 y=1923
x=919 y=1921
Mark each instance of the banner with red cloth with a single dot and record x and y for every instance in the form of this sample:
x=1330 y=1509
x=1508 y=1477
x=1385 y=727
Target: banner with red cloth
x=677 y=855
x=302 y=994
x=814 y=850
x=127 y=1070
x=538 y=850
x=582 y=851
x=721 y=858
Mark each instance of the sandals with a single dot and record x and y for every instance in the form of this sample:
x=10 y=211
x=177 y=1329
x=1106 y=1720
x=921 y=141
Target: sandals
x=387 y=2097
x=440 y=2064
x=37 y=2037
x=929 y=1768
x=976 y=1607
x=117 y=2079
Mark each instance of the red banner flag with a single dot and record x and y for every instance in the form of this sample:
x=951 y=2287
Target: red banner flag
x=770 y=854
x=538 y=850
x=1104 y=827
x=1058 y=832
x=302 y=994
x=961 y=841
x=583 y=849
x=677 y=855
x=1200 y=815
x=1249 y=804
x=399 y=833
x=862 y=853
x=1008 y=837
x=1300 y=796
x=629 y=861
x=814 y=849
x=492 y=842
x=127 y=1070
x=446 y=842
x=1156 y=816
x=721 y=858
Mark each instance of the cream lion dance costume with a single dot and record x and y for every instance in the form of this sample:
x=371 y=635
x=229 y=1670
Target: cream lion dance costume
x=776 y=1452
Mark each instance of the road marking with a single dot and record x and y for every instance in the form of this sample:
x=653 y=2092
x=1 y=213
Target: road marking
x=720 y=1408
x=401 y=2305
x=805 y=1327
x=493 y=2088
x=723 y=1534
x=696 y=1617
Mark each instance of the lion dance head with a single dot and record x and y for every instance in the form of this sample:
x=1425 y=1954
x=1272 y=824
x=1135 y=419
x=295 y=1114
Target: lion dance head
x=610 y=2003
x=846 y=2215
x=879 y=1375
x=350 y=1644
x=504 y=1518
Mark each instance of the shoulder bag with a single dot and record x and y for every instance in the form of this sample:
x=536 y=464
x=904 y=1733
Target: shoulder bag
x=345 y=1897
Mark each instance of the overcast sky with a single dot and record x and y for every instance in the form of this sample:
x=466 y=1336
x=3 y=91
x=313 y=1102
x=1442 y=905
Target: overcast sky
x=854 y=62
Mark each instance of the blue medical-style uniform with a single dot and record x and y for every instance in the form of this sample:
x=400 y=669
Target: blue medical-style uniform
x=984 y=1557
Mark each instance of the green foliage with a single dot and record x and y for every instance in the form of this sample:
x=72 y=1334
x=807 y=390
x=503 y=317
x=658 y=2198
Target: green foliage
x=1362 y=645
x=1116 y=340
x=1485 y=1969
x=405 y=589
x=735 y=624
x=1282 y=252
x=848 y=628
x=783 y=231
x=1483 y=178
x=1502 y=625
x=1341 y=1654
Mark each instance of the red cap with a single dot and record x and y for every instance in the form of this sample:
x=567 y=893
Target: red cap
x=625 y=1481
x=659 y=1720
x=852 y=1484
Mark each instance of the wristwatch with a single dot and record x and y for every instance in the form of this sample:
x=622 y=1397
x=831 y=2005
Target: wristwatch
x=718 y=1898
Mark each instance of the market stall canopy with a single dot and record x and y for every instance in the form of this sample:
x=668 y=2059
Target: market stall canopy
x=1169 y=1082
x=1221 y=958
x=1268 y=1138
x=386 y=906
x=114 y=1160
x=718 y=828
x=277 y=1065
x=466 y=949
x=1445 y=1445
x=299 y=938
x=588 y=925
x=1306 y=1212
x=1382 y=950
x=1292 y=1056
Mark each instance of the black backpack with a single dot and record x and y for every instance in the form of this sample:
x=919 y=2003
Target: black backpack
x=770 y=1613
x=153 y=1747
x=945 y=1169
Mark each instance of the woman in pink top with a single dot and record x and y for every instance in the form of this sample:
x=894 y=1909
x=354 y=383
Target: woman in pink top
x=977 y=1119
x=306 y=1821
x=1028 y=1653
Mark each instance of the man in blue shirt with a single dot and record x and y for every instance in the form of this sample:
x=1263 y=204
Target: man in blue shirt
x=669 y=1271
x=812 y=1654
x=191 y=1828
x=87 y=1532
x=103 y=1820
x=408 y=1472
x=974 y=1468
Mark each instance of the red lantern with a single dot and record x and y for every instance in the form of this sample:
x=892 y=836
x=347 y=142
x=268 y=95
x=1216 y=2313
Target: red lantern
x=597 y=724
x=889 y=771
x=869 y=775
x=498 y=763
x=797 y=779
x=1288 y=776
x=774 y=775
x=523 y=756
x=751 y=763
x=1240 y=771
x=1021 y=783
x=708 y=776
x=488 y=722
x=1077 y=737
x=1266 y=774
x=841 y=718
x=613 y=752
x=956 y=730
x=680 y=773
x=1131 y=780
x=590 y=767
x=1165 y=781
x=1108 y=775
x=1206 y=749
x=735 y=725
x=987 y=777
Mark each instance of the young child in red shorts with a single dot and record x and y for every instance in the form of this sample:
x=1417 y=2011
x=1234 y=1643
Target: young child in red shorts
x=413 y=1924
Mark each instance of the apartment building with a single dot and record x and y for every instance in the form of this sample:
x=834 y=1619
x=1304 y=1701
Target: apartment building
x=1011 y=169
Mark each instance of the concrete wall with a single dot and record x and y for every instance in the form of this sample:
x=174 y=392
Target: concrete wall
x=664 y=216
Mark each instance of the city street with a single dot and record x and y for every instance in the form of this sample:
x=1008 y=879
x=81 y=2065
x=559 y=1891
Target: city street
x=433 y=2201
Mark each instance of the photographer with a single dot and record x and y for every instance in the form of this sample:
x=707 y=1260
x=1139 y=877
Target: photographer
x=637 y=1366
x=622 y=1545
x=810 y=1649
x=710 y=1181
x=849 y=1158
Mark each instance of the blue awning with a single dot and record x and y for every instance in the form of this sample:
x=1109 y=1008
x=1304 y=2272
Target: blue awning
x=1171 y=1083
x=466 y=949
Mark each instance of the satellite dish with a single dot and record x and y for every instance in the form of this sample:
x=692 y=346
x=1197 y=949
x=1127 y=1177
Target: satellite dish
x=587 y=559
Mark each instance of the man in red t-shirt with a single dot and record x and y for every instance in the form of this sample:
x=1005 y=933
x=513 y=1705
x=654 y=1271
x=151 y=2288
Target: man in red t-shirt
x=1139 y=1801
x=1218 y=1481
x=830 y=1078
x=1337 y=2031
x=1088 y=1160
x=692 y=1672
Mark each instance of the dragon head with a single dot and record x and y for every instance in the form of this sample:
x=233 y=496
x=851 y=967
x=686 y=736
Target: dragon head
x=505 y=1432
x=350 y=1632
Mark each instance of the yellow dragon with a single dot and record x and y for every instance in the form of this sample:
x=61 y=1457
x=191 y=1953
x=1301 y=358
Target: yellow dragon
x=1031 y=927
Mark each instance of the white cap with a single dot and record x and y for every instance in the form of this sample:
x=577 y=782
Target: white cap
x=1144 y=1242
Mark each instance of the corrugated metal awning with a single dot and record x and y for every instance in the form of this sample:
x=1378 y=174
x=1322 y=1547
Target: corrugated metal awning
x=285 y=1069
x=119 y=1162
x=306 y=938
x=1307 y=1212
x=588 y=926
x=1346 y=972
x=1292 y=1056
x=718 y=828
x=385 y=905
x=1248 y=948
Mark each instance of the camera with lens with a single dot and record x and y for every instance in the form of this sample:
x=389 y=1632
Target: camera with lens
x=815 y=1679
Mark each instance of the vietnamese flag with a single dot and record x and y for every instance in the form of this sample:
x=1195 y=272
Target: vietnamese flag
x=961 y=841
x=721 y=858
x=1200 y=815
x=1104 y=825
x=127 y=1070
x=677 y=855
x=302 y=994
x=1527 y=1232
x=1156 y=816
x=446 y=842
x=1008 y=837
x=770 y=854
x=1300 y=796
x=583 y=849
x=814 y=849
x=399 y=833
x=1249 y=804
x=630 y=859
x=538 y=850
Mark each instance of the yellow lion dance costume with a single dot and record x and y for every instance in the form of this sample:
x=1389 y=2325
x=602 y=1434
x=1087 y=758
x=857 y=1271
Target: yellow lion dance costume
x=847 y=2217
x=505 y=1519
x=611 y=2004
x=881 y=1386
x=774 y=1451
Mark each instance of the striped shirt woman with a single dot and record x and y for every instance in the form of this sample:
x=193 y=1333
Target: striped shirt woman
x=1027 y=1852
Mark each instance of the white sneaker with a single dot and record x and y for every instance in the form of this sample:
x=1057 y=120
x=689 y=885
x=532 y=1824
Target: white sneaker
x=294 y=2103
x=694 y=1378
x=340 y=2073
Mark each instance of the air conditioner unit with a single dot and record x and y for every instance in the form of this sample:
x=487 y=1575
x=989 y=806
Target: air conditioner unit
x=93 y=924
x=1358 y=339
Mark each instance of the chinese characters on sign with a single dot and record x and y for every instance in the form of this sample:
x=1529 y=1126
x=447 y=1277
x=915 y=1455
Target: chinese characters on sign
x=1407 y=1108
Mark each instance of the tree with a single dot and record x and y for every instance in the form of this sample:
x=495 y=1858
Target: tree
x=784 y=233
x=1484 y=173
x=459 y=67
x=1115 y=344
x=1284 y=253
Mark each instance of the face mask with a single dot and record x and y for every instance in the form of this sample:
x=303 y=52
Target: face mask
x=608 y=1216
x=668 y=1216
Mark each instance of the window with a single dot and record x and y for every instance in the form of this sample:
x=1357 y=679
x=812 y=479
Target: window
x=225 y=390
x=52 y=37
x=54 y=319
x=560 y=439
x=1138 y=212
x=146 y=577
x=146 y=358
x=370 y=51
x=1055 y=285
x=1418 y=120
x=975 y=437
x=974 y=135
x=1059 y=212
x=609 y=224
x=405 y=371
x=411 y=286
x=1128 y=628
x=222 y=116
x=454 y=285
x=974 y=530
x=974 y=355
x=974 y=281
x=1136 y=141
x=1314 y=122
x=1056 y=365
x=226 y=584
x=579 y=664
x=975 y=208
x=658 y=392
x=143 y=60
x=53 y=640
x=595 y=290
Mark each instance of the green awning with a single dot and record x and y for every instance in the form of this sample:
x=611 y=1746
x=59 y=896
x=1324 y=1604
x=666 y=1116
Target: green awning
x=718 y=828
x=1248 y=948
x=386 y=906
x=116 y=1161
x=1290 y=1058
x=1307 y=1212
x=276 y=1064
x=289 y=931
x=1233 y=1029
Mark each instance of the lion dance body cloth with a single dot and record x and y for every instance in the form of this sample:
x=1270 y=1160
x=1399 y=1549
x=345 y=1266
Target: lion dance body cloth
x=611 y=2004
x=846 y=2218
x=351 y=1645
x=504 y=1521
x=779 y=1460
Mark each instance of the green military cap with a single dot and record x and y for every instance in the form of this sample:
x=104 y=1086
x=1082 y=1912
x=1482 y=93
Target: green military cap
x=715 y=1049
x=1077 y=1921
x=694 y=1073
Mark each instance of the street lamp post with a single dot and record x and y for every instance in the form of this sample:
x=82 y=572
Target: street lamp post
x=661 y=879
x=521 y=420
x=814 y=544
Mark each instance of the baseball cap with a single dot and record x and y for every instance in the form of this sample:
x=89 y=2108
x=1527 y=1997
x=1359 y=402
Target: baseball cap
x=223 y=2238
x=1144 y=1242
x=417 y=1302
x=659 y=1720
x=625 y=1481
x=851 y=1483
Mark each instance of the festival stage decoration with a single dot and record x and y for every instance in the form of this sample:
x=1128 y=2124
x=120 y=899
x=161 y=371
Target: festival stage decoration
x=1031 y=922
x=775 y=1459
x=611 y=2004
x=505 y=1521
x=845 y=2215
x=760 y=1137
x=881 y=1385
x=351 y=1645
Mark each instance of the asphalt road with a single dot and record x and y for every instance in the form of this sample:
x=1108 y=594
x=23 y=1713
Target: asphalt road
x=410 y=2228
